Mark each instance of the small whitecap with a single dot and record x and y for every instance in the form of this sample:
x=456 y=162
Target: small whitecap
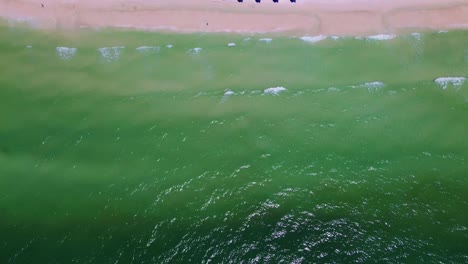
x=169 y=46
x=335 y=37
x=269 y=204
x=313 y=39
x=29 y=46
x=266 y=40
x=279 y=234
x=65 y=53
x=416 y=35
x=333 y=89
x=228 y=93
x=442 y=31
x=370 y=86
x=194 y=51
x=148 y=49
x=111 y=53
x=231 y=44
x=274 y=90
x=445 y=82
x=374 y=86
x=381 y=37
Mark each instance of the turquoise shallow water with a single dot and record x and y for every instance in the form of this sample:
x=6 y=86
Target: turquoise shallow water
x=121 y=156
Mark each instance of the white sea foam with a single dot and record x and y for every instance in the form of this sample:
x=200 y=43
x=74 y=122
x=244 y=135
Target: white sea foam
x=313 y=39
x=416 y=35
x=169 y=46
x=335 y=37
x=194 y=51
x=274 y=90
x=29 y=46
x=111 y=53
x=65 y=53
x=381 y=37
x=231 y=44
x=370 y=86
x=445 y=82
x=226 y=95
x=374 y=84
x=148 y=49
x=267 y=40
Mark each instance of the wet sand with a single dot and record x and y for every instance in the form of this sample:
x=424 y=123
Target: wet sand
x=310 y=17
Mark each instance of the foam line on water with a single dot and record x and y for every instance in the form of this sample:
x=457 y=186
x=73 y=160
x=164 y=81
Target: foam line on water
x=226 y=95
x=148 y=49
x=274 y=90
x=380 y=37
x=370 y=86
x=313 y=39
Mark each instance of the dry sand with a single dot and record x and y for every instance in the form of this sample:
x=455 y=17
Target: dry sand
x=309 y=17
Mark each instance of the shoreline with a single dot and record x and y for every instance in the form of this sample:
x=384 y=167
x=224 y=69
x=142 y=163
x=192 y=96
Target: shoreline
x=307 y=17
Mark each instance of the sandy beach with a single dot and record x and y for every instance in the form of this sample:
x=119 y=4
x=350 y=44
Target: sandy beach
x=312 y=17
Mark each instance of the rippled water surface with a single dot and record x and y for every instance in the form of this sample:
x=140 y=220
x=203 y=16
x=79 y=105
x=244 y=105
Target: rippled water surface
x=127 y=147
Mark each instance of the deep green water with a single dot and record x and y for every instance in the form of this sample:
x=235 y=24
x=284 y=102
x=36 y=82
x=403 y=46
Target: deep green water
x=143 y=159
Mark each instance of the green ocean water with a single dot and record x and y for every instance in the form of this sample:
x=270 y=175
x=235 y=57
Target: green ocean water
x=173 y=155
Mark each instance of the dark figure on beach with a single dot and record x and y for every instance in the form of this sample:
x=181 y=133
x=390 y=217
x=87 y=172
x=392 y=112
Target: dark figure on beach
x=42 y=4
x=258 y=1
x=275 y=1
x=240 y=1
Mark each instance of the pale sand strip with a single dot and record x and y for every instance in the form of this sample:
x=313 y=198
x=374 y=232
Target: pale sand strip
x=309 y=17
